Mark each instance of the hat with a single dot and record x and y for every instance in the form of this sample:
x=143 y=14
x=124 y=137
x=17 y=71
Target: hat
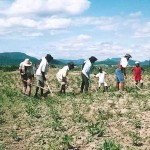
x=92 y=58
x=137 y=62
x=128 y=55
x=48 y=56
x=71 y=64
x=27 y=62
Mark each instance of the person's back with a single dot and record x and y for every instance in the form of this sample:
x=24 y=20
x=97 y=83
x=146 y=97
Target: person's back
x=62 y=72
x=43 y=67
x=87 y=68
x=29 y=71
x=85 y=74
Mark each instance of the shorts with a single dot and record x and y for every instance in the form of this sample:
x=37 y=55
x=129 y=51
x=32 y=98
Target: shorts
x=119 y=75
x=40 y=81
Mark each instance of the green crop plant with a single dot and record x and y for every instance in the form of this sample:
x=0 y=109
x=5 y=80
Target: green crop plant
x=32 y=111
x=66 y=140
x=110 y=145
x=136 y=139
x=96 y=129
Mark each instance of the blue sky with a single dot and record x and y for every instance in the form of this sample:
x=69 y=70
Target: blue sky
x=76 y=29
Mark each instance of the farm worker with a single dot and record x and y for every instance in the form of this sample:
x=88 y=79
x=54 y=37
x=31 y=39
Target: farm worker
x=27 y=76
x=121 y=72
x=137 y=71
x=62 y=76
x=41 y=72
x=86 y=70
x=101 y=75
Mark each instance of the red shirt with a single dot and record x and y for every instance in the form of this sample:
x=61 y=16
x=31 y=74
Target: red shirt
x=137 y=73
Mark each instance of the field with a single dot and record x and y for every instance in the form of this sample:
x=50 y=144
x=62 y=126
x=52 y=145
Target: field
x=95 y=121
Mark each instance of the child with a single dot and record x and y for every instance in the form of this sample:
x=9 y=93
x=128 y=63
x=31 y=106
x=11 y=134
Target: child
x=137 y=71
x=101 y=76
x=62 y=76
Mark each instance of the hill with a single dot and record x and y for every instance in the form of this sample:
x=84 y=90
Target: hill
x=14 y=58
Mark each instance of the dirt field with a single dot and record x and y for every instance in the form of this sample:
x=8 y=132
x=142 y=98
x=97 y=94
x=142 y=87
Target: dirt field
x=112 y=120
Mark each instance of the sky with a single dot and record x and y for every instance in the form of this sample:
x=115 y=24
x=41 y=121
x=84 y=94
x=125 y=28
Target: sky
x=76 y=29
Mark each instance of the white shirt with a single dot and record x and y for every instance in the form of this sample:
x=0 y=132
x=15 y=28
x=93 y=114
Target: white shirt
x=22 y=67
x=124 y=62
x=62 y=72
x=43 y=67
x=87 y=68
x=101 y=76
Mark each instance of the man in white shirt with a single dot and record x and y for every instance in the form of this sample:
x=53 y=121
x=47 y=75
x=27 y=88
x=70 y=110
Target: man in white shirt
x=41 y=72
x=121 y=72
x=86 y=70
x=62 y=76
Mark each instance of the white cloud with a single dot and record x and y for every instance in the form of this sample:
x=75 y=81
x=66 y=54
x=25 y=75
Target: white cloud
x=54 y=23
x=14 y=23
x=33 y=34
x=136 y=14
x=102 y=23
x=142 y=30
x=25 y=7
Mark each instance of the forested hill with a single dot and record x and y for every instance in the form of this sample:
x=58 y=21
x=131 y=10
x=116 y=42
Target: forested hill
x=14 y=58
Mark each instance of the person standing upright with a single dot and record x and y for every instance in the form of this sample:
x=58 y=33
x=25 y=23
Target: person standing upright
x=121 y=72
x=41 y=72
x=86 y=71
x=137 y=71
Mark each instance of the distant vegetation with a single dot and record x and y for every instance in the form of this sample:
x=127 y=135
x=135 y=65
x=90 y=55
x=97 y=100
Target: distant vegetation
x=14 y=58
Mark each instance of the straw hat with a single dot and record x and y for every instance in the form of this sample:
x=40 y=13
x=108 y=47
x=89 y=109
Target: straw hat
x=27 y=62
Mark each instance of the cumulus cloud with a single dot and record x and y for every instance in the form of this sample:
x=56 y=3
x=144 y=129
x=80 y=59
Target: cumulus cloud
x=142 y=30
x=33 y=34
x=54 y=23
x=136 y=14
x=25 y=23
x=25 y=7
x=102 y=23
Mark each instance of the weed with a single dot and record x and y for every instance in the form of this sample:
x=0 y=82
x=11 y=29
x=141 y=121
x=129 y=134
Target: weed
x=136 y=139
x=96 y=129
x=66 y=140
x=15 y=136
x=32 y=111
x=110 y=145
x=137 y=123
x=105 y=115
x=2 y=120
x=3 y=146
x=78 y=118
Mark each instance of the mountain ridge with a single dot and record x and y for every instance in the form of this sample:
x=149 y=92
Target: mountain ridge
x=14 y=58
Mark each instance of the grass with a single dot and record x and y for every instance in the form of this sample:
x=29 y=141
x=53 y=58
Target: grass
x=72 y=120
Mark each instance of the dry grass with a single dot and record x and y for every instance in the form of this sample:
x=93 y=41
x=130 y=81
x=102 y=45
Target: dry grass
x=74 y=121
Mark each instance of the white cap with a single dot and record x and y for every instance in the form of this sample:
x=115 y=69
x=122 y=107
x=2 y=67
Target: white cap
x=137 y=62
